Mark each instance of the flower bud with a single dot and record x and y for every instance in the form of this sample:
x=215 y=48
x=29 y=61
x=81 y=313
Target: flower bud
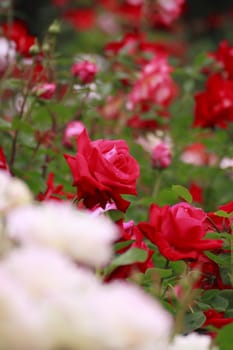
x=55 y=28
x=34 y=50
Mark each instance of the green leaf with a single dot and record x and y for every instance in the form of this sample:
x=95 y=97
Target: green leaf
x=193 y=321
x=218 y=235
x=219 y=303
x=222 y=260
x=121 y=245
x=182 y=192
x=209 y=295
x=163 y=273
x=132 y=255
x=227 y=294
x=115 y=215
x=225 y=337
x=22 y=125
x=4 y=125
x=223 y=214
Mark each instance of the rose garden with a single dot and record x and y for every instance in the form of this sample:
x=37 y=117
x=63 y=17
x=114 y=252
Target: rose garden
x=116 y=173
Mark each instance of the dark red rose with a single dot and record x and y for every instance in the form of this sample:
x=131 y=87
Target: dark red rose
x=3 y=161
x=196 y=192
x=216 y=319
x=103 y=170
x=210 y=276
x=80 y=19
x=178 y=231
x=224 y=55
x=18 y=32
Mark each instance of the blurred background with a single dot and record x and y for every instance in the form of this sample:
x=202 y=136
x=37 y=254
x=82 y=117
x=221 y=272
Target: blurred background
x=38 y=14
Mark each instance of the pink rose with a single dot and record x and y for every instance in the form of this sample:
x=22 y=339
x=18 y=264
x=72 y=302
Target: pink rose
x=45 y=91
x=103 y=170
x=161 y=156
x=85 y=71
x=73 y=129
x=178 y=231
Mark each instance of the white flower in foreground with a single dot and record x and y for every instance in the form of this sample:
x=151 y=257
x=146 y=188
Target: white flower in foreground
x=193 y=341
x=45 y=273
x=47 y=303
x=22 y=322
x=130 y=318
x=78 y=234
x=115 y=316
x=13 y=192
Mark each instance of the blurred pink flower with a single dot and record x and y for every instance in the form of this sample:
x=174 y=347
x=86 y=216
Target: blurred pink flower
x=161 y=156
x=155 y=84
x=73 y=130
x=45 y=91
x=85 y=71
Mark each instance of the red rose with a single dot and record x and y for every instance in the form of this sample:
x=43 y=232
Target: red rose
x=216 y=319
x=178 y=231
x=3 y=161
x=103 y=170
x=224 y=56
x=214 y=106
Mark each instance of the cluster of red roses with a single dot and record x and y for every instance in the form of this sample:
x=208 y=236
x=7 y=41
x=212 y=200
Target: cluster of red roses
x=103 y=170
x=159 y=13
x=214 y=106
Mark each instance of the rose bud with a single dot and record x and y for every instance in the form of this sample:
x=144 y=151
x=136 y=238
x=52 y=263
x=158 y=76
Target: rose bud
x=45 y=91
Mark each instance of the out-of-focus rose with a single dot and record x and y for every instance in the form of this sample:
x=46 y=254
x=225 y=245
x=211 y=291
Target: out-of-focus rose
x=45 y=273
x=7 y=53
x=80 y=18
x=161 y=156
x=191 y=341
x=18 y=33
x=45 y=91
x=78 y=234
x=224 y=55
x=196 y=192
x=214 y=106
x=3 y=162
x=73 y=130
x=119 y=319
x=103 y=170
x=178 y=231
x=197 y=154
x=23 y=322
x=85 y=71
x=159 y=145
x=155 y=84
x=216 y=319
x=13 y=192
x=167 y=11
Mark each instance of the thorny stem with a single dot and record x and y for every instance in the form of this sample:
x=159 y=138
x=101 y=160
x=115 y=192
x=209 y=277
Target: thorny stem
x=20 y=116
x=157 y=184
